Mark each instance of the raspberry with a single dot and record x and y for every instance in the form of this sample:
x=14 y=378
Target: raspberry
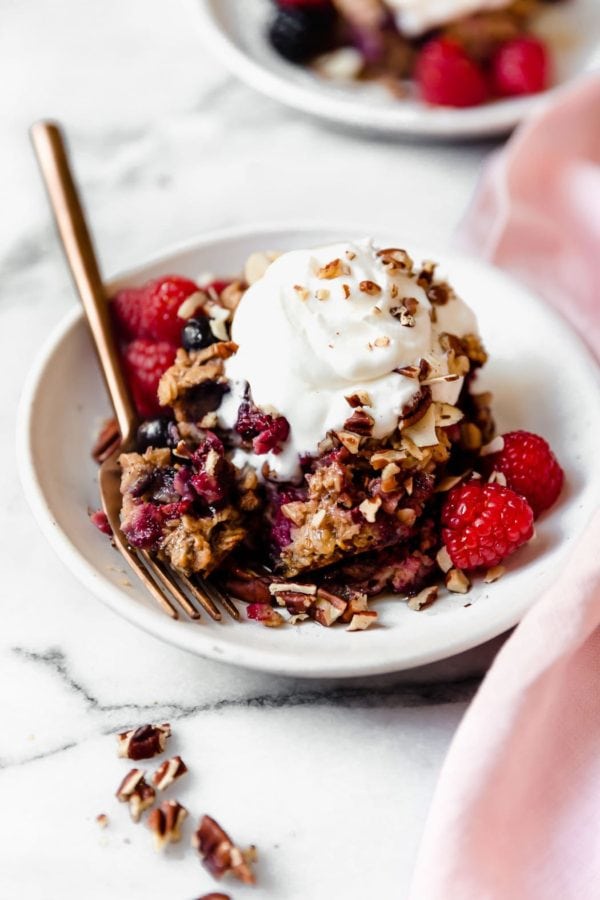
x=520 y=66
x=99 y=519
x=530 y=468
x=144 y=363
x=127 y=312
x=484 y=523
x=446 y=76
x=151 y=311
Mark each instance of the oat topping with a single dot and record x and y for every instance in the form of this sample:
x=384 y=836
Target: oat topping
x=382 y=341
x=102 y=820
x=347 y=291
x=322 y=294
x=143 y=742
x=302 y=292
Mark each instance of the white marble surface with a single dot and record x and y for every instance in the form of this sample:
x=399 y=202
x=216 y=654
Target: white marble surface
x=331 y=780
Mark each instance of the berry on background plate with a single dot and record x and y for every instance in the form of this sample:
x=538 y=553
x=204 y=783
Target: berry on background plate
x=521 y=66
x=447 y=76
x=301 y=31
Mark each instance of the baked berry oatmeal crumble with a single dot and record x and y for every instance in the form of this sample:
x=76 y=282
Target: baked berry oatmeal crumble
x=448 y=52
x=316 y=436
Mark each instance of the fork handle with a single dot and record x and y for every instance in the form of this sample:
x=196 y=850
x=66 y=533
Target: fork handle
x=77 y=244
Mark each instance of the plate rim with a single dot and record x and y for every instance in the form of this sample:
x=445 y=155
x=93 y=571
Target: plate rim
x=488 y=120
x=275 y=662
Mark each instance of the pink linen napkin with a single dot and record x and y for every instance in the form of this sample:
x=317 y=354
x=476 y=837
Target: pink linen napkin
x=516 y=814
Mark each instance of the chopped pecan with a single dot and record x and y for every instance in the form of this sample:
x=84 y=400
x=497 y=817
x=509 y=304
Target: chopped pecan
x=362 y=620
x=395 y=260
x=361 y=398
x=369 y=508
x=168 y=772
x=439 y=294
x=333 y=269
x=494 y=574
x=457 y=582
x=425 y=276
x=143 y=742
x=360 y=422
x=219 y=853
x=424 y=598
x=135 y=790
x=327 y=608
x=165 y=823
x=350 y=441
x=369 y=287
x=107 y=441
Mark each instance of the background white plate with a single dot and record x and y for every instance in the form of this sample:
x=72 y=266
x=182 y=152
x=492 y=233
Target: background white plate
x=235 y=32
x=543 y=380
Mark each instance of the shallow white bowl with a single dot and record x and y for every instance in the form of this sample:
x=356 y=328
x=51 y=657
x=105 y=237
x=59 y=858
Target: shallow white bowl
x=543 y=380
x=235 y=32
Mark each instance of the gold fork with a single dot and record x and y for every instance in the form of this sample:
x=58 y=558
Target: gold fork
x=171 y=590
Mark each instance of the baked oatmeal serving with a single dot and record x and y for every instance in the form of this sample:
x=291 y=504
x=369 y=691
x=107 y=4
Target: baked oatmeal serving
x=447 y=52
x=313 y=435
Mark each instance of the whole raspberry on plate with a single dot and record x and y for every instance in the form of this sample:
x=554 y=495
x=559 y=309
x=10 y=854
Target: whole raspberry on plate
x=151 y=311
x=447 y=76
x=530 y=468
x=484 y=523
x=520 y=66
x=144 y=362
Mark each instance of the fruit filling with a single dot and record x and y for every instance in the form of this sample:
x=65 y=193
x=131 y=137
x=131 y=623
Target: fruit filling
x=312 y=435
x=455 y=53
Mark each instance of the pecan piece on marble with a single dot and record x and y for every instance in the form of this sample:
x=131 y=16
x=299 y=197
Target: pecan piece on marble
x=135 y=791
x=143 y=742
x=165 y=823
x=168 y=772
x=220 y=855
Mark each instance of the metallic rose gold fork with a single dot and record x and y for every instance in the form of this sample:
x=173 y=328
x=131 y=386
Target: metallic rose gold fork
x=173 y=592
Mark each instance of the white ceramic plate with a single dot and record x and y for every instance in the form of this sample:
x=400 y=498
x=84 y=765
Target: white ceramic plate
x=235 y=32
x=543 y=380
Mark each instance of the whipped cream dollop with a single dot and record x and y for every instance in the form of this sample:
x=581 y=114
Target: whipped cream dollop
x=414 y=17
x=325 y=324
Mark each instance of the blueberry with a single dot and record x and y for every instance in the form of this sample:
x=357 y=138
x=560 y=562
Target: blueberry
x=156 y=433
x=299 y=33
x=197 y=333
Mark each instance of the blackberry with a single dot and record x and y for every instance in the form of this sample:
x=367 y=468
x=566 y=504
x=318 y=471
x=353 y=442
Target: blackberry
x=298 y=33
x=197 y=333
